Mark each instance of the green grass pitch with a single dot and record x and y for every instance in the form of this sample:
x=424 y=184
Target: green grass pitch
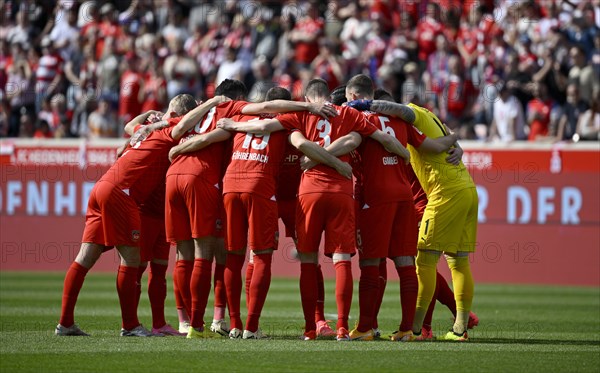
x=522 y=329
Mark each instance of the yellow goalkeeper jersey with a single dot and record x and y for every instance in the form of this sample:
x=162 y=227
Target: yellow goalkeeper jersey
x=438 y=178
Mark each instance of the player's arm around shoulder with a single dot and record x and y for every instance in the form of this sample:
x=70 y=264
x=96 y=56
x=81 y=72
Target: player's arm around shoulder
x=319 y=154
x=438 y=145
x=394 y=109
x=194 y=116
x=199 y=142
x=284 y=106
x=391 y=144
x=263 y=126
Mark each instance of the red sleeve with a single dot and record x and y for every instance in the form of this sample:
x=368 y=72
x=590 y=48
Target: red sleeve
x=359 y=122
x=290 y=121
x=235 y=107
x=415 y=137
x=136 y=128
x=174 y=121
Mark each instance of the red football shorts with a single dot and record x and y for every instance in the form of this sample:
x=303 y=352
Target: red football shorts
x=112 y=217
x=251 y=222
x=153 y=244
x=387 y=230
x=287 y=212
x=332 y=213
x=192 y=208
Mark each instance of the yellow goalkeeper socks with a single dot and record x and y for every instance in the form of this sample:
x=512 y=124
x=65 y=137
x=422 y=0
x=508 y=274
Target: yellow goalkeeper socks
x=426 y=274
x=462 y=281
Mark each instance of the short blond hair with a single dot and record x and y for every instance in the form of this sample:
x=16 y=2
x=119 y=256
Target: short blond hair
x=182 y=103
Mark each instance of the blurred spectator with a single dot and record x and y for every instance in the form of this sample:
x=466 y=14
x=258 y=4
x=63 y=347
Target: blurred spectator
x=79 y=49
x=262 y=81
x=49 y=72
x=26 y=127
x=572 y=110
x=539 y=112
x=4 y=117
x=42 y=130
x=508 y=123
x=129 y=96
x=329 y=65
x=102 y=121
x=308 y=28
x=582 y=73
x=20 y=93
x=588 y=127
x=180 y=71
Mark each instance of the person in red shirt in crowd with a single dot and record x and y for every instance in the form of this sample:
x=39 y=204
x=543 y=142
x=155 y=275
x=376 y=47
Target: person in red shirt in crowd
x=325 y=202
x=428 y=28
x=130 y=87
x=458 y=97
x=305 y=35
x=113 y=219
x=538 y=112
x=153 y=89
x=383 y=12
x=194 y=202
x=108 y=28
x=387 y=226
x=328 y=65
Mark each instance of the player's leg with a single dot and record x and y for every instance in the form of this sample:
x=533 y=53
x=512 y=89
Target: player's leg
x=219 y=324
x=373 y=239
x=426 y=264
x=178 y=230
x=262 y=240
x=309 y=227
x=340 y=242
x=236 y=231
x=382 y=285
x=200 y=285
x=403 y=252
x=182 y=276
x=458 y=262
x=86 y=258
x=126 y=288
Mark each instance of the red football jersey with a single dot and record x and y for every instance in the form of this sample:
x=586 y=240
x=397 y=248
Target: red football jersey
x=290 y=173
x=143 y=167
x=384 y=174
x=255 y=160
x=324 y=131
x=207 y=162
x=419 y=195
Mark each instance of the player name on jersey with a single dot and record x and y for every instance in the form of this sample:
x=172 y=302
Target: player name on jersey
x=246 y=156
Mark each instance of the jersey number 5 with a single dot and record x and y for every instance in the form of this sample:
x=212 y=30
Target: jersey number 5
x=384 y=128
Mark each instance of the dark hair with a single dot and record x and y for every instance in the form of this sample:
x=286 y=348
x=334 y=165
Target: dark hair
x=362 y=84
x=278 y=93
x=382 y=94
x=234 y=89
x=338 y=95
x=317 y=88
x=183 y=103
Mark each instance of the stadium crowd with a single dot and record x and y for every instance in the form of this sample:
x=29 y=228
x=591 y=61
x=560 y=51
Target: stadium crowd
x=491 y=69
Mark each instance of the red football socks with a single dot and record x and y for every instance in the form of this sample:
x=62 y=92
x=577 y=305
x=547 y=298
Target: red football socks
x=343 y=291
x=200 y=288
x=409 y=287
x=309 y=294
x=320 y=309
x=73 y=283
x=127 y=288
x=368 y=292
x=382 y=285
x=249 y=272
x=233 y=286
x=183 y=276
x=259 y=287
x=157 y=292
x=220 y=294
x=140 y=274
